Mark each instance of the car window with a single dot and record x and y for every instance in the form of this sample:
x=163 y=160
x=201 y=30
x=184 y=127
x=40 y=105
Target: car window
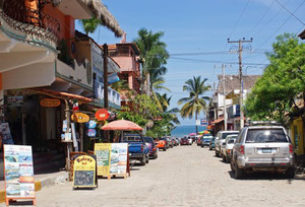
x=240 y=136
x=231 y=141
x=225 y=134
x=133 y=139
x=266 y=135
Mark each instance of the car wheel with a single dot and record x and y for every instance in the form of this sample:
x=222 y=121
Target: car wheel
x=147 y=159
x=232 y=166
x=210 y=148
x=238 y=173
x=143 y=161
x=227 y=159
x=216 y=154
x=164 y=149
x=223 y=158
x=290 y=173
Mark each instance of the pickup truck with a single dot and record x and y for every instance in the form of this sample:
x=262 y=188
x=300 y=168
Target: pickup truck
x=137 y=148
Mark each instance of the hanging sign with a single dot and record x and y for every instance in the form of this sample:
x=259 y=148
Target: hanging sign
x=50 y=102
x=80 y=117
x=91 y=124
x=18 y=172
x=84 y=172
x=102 y=152
x=91 y=132
x=102 y=114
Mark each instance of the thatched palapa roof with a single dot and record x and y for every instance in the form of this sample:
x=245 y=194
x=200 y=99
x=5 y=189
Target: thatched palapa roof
x=101 y=12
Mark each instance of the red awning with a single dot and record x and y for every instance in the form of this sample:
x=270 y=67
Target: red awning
x=217 y=121
x=63 y=95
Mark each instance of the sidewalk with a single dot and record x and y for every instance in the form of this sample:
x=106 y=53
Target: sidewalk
x=41 y=181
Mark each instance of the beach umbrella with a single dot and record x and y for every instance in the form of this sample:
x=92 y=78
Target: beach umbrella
x=192 y=134
x=122 y=125
x=204 y=132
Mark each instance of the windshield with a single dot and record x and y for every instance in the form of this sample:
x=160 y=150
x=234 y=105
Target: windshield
x=133 y=139
x=231 y=141
x=266 y=135
x=224 y=135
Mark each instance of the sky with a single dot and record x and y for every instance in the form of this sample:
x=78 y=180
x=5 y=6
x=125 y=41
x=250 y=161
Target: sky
x=196 y=33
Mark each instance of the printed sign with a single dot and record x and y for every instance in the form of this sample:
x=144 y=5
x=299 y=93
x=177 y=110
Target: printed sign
x=84 y=172
x=91 y=124
x=50 y=102
x=118 y=164
x=5 y=132
x=102 y=114
x=19 y=173
x=102 y=153
x=91 y=132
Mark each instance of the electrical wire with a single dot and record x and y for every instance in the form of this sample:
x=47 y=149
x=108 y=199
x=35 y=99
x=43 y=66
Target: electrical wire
x=291 y=13
x=238 y=20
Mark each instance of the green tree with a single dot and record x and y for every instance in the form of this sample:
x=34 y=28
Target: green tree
x=90 y=25
x=153 y=55
x=195 y=103
x=280 y=92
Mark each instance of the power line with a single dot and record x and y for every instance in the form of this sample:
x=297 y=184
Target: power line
x=291 y=13
x=239 y=18
x=286 y=20
x=213 y=61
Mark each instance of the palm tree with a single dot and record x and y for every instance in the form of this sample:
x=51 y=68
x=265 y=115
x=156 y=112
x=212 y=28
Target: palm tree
x=153 y=55
x=195 y=102
x=90 y=25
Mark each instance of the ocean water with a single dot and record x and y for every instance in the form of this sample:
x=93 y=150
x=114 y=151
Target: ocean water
x=181 y=131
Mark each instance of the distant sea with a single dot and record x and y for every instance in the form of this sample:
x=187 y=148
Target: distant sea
x=180 y=131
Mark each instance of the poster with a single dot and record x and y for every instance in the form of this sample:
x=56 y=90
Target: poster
x=102 y=153
x=19 y=173
x=118 y=164
x=84 y=172
x=6 y=133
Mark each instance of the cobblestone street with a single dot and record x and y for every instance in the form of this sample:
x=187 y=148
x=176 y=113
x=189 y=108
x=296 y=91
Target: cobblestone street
x=183 y=176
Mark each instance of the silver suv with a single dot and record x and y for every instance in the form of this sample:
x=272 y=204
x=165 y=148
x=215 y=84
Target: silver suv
x=263 y=148
x=221 y=138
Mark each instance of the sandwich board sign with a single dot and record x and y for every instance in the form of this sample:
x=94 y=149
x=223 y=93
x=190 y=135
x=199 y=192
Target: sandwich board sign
x=19 y=173
x=84 y=172
x=102 y=152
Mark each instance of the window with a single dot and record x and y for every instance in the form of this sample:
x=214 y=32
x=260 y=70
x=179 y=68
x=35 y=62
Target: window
x=266 y=135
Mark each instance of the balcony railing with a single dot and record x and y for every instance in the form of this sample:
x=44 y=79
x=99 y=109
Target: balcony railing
x=29 y=19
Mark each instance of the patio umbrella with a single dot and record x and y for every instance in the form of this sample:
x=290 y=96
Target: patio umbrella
x=122 y=125
x=204 y=132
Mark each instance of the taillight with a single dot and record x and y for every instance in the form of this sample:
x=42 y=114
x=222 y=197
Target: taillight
x=242 y=149
x=290 y=149
x=142 y=147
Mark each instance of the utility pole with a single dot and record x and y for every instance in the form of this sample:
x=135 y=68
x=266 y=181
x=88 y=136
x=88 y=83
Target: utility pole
x=105 y=57
x=240 y=50
x=225 y=119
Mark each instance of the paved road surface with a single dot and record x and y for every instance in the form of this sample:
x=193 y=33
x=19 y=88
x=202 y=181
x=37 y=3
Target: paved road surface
x=183 y=176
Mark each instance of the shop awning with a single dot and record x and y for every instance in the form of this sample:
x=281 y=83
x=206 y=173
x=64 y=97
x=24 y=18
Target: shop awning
x=62 y=95
x=217 y=121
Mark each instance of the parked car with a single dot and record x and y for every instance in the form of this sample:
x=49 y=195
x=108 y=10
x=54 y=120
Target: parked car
x=220 y=138
x=161 y=144
x=166 y=142
x=212 y=143
x=184 y=141
x=153 y=150
x=199 y=141
x=137 y=148
x=206 y=139
x=227 y=147
x=263 y=147
x=190 y=140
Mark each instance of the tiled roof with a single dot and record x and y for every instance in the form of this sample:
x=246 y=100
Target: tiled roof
x=232 y=82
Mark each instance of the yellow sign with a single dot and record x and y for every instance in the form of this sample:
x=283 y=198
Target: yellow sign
x=80 y=117
x=84 y=172
x=102 y=152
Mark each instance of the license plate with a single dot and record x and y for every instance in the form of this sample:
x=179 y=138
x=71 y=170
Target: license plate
x=268 y=150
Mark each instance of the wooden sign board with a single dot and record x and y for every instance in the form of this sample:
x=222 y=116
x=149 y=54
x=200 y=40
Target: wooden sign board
x=111 y=159
x=102 y=152
x=50 y=102
x=19 y=173
x=84 y=172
